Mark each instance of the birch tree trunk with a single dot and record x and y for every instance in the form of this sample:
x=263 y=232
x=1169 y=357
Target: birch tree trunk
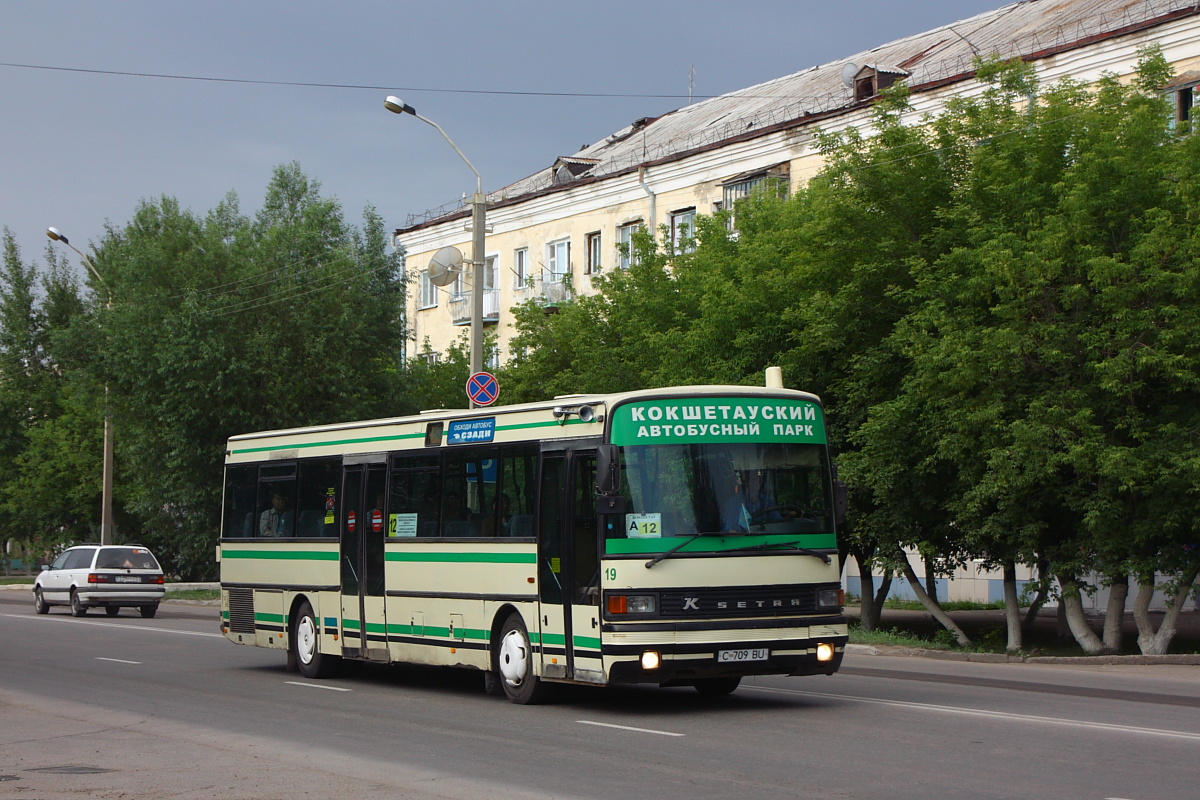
x=1042 y=593
x=1076 y=621
x=1150 y=642
x=871 y=603
x=930 y=605
x=1114 y=614
x=1012 y=609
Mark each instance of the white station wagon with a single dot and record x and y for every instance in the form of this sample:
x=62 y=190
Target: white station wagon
x=106 y=576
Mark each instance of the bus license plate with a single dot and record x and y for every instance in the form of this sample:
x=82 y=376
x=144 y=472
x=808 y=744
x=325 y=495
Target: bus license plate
x=757 y=654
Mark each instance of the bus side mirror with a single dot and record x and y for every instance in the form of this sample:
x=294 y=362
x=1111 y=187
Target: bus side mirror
x=839 y=502
x=608 y=469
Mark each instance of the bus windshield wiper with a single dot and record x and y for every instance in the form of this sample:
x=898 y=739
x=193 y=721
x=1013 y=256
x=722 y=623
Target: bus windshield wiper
x=783 y=546
x=681 y=545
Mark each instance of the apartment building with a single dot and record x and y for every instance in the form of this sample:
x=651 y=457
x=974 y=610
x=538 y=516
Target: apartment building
x=550 y=233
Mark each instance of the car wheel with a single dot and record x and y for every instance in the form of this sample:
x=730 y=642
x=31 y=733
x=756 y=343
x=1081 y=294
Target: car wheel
x=515 y=657
x=39 y=603
x=77 y=606
x=306 y=646
x=148 y=612
x=717 y=687
x=112 y=611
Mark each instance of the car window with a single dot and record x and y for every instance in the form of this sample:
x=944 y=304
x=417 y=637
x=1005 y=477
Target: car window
x=79 y=558
x=125 y=558
x=61 y=560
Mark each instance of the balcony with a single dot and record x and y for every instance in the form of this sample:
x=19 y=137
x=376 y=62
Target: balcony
x=460 y=307
x=550 y=294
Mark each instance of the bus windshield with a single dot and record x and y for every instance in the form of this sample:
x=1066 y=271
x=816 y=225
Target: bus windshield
x=731 y=488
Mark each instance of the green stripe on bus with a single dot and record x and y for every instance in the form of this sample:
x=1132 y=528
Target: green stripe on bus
x=396 y=438
x=461 y=558
x=334 y=443
x=717 y=544
x=268 y=617
x=283 y=555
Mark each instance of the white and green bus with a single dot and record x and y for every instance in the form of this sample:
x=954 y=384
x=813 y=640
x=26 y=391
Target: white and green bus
x=678 y=536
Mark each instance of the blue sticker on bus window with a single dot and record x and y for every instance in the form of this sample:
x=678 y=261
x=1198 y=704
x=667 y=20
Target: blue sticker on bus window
x=471 y=431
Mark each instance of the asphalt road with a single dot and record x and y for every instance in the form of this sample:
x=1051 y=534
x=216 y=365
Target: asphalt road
x=166 y=708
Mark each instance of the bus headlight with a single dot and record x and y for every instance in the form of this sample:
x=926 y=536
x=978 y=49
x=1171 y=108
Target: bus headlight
x=631 y=604
x=824 y=652
x=829 y=598
x=651 y=660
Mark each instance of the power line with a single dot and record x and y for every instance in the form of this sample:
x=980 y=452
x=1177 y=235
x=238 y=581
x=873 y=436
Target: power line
x=314 y=85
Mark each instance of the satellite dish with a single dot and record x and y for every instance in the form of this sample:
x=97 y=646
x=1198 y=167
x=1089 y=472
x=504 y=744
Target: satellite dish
x=445 y=266
x=849 y=70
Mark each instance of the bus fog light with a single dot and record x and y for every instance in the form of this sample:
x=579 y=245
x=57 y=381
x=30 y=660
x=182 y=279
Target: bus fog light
x=824 y=652
x=650 y=660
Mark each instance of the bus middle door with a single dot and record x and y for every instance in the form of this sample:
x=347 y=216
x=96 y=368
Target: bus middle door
x=568 y=567
x=364 y=530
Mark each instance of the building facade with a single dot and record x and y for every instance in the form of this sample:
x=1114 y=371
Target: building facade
x=550 y=233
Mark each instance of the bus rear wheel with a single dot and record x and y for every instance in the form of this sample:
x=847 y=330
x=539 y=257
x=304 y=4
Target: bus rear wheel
x=515 y=663
x=306 y=645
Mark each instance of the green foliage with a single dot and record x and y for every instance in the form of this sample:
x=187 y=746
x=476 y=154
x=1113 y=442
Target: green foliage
x=220 y=324
x=999 y=308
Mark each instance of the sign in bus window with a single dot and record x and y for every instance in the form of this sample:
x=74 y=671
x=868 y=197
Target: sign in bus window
x=643 y=526
x=402 y=525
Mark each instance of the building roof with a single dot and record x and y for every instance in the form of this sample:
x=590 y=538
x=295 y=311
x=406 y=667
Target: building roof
x=1029 y=29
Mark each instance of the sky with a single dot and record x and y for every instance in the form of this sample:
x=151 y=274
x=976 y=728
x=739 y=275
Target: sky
x=515 y=84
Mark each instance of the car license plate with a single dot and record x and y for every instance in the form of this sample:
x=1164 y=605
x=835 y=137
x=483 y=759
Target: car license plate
x=129 y=579
x=754 y=654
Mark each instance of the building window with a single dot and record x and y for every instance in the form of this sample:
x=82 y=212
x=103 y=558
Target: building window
x=739 y=187
x=489 y=272
x=1182 y=99
x=428 y=291
x=430 y=358
x=521 y=268
x=558 y=260
x=626 y=257
x=683 y=230
x=594 y=253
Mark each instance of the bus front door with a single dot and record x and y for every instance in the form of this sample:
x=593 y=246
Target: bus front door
x=363 y=531
x=569 y=567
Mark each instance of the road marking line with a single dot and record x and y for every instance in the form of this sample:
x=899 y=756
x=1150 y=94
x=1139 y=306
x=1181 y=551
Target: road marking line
x=628 y=728
x=111 y=625
x=116 y=660
x=320 y=686
x=974 y=712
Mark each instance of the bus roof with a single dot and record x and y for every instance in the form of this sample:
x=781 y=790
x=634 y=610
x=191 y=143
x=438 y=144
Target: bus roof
x=549 y=419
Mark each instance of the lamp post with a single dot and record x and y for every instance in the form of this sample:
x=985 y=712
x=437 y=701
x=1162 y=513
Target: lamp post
x=478 y=254
x=106 y=512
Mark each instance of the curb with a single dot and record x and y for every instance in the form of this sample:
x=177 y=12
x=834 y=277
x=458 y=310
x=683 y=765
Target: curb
x=1001 y=658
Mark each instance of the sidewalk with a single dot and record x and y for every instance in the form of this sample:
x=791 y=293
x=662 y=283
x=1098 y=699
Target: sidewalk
x=976 y=623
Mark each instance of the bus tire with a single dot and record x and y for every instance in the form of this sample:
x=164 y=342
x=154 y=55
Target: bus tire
x=39 y=603
x=78 y=609
x=306 y=645
x=717 y=687
x=515 y=659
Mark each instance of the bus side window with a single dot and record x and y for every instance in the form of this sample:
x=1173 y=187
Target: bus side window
x=414 y=497
x=317 y=501
x=518 y=484
x=240 y=487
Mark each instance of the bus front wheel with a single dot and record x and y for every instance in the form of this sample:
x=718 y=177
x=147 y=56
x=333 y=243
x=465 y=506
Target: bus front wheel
x=306 y=645
x=515 y=659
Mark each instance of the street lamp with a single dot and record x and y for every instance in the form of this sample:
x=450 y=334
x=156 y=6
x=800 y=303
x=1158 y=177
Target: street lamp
x=106 y=513
x=478 y=255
